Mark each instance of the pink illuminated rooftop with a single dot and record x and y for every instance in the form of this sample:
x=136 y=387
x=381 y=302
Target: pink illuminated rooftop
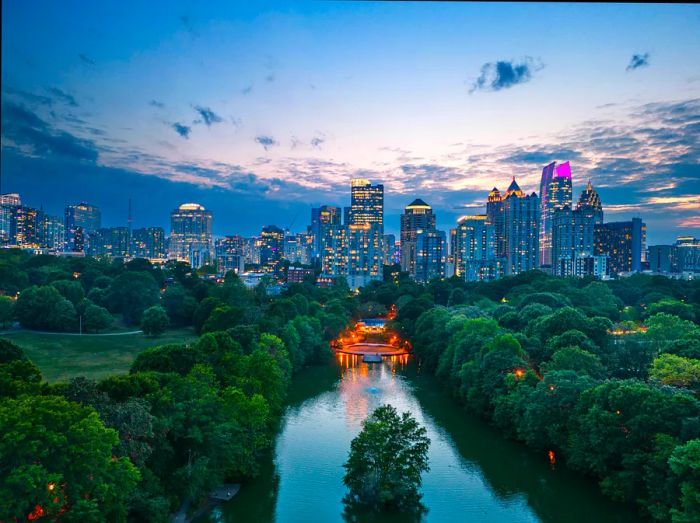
x=564 y=170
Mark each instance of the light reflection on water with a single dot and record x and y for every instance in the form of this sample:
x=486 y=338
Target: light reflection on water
x=475 y=475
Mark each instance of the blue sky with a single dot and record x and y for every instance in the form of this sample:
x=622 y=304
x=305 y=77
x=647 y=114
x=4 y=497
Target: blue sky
x=260 y=110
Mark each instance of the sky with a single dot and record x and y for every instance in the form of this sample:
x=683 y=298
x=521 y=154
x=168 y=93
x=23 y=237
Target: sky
x=261 y=110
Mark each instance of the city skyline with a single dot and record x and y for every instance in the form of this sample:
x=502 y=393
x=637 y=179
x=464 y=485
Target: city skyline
x=262 y=111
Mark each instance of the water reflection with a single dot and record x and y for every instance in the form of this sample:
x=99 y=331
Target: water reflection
x=475 y=474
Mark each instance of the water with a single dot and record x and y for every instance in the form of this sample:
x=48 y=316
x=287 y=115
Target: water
x=476 y=475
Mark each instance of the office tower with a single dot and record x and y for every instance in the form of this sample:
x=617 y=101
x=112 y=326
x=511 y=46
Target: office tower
x=431 y=254
x=321 y=218
x=334 y=253
x=555 y=193
x=364 y=254
x=418 y=216
x=390 y=252
x=191 y=234
x=521 y=215
x=366 y=203
x=51 y=232
x=624 y=244
x=24 y=226
x=7 y=201
x=81 y=219
x=109 y=241
x=296 y=248
x=271 y=247
x=494 y=213
x=148 y=242
x=687 y=254
x=474 y=249
x=230 y=254
x=662 y=259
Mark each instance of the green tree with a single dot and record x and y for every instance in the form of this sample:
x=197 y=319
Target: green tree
x=685 y=465
x=179 y=305
x=386 y=461
x=43 y=308
x=71 y=290
x=670 y=369
x=132 y=293
x=7 y=310
x=154 y=321
x=57 y=455
x=96 y=318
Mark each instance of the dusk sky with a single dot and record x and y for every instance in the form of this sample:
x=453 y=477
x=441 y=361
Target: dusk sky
x=261 y=110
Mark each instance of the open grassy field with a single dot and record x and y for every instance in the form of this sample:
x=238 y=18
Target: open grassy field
x=63 y=356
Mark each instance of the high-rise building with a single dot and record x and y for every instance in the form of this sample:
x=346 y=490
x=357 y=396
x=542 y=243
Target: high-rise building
x=7 y=201
x=687 y=254
x=81 y=219
x=431 y=254
x=148 y=242
x=555 y=193
x=418 y=216
x=662 y=259
x=51 y=232
x=521 y=214
x=474 y=249
x=296 y=249
x=321 y=218
x=366 y=203
x=24 y=226
x=494 y=214
x=364 y=247
x=334 y=252
x=191 y=234
x=624 y=243
x=391 y=253
x=109 y=241
x=271 y=247
x=229 y=254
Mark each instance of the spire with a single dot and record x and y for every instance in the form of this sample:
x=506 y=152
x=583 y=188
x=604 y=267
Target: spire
x=514 y=188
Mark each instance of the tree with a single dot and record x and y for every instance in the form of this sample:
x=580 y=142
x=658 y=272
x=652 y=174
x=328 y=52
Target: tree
x=57 y=458
x=154 y=321
x=179 y=305
x=685 y=465
x=132 y=293
x=670 y=369
x=96 y=318
x=43 y=308
x=386 y=461
x=71 y=290
x=7 y=310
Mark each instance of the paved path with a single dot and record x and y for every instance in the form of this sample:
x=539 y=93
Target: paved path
x=11 y=331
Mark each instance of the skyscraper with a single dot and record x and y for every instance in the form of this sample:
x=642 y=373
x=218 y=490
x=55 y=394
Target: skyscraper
x=321 y=218
x=366 y=203
x=271 y=247
x=624 y=243
x=521 y=227
x=418 y=216
x=7 y=201
x=51 y=232
x=148 y=242
x=555 y=193
x=474 y=249
x=191 y=234
x=229 y=254
x=494 y=214
x=431 y=246
x=24 y=226
x=81 y=219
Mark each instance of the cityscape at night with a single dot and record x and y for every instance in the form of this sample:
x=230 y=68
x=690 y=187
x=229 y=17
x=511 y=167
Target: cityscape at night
x=349 y=261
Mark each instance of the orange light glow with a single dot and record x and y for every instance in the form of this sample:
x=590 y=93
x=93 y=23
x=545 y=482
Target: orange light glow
x=519 y=373
x=51 y=485
x=552 y=457
x=36 y=513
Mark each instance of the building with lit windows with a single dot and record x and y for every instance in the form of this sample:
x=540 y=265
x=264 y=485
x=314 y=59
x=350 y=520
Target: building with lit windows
x=230 y=254
x=51 y=233
x=417 y=216
x=321 y=218
x=191 y=235
x=687 y=254
x=297 y=248
x=555 y=193
x=271 y=248
x=521 y=216
x=431 y=255
x=366 y=203
x=392 y=252
x=81 y=219
x=7 y=202
x=148 y=242
x=624 y=243
x=109 y=241
x=494 y=214
x=474 y=249
x=24 y=226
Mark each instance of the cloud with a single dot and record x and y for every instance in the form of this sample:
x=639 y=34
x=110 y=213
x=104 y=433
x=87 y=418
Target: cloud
x=317 y=142
x=504 y=74
x=156 y=104
x=31 y=98
x=270 y=78
x=265 y=141
x=247 y=90
x=637 y=61
x=63 y=96
x=86 y=59
x=209 y=117
x=31 y=135
x=541 y=157
x=182 y=129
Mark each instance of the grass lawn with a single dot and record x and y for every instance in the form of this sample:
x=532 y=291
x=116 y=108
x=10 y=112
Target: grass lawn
x=64 y=356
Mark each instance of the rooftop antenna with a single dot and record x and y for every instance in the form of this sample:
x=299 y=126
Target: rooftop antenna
x=128 y=243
